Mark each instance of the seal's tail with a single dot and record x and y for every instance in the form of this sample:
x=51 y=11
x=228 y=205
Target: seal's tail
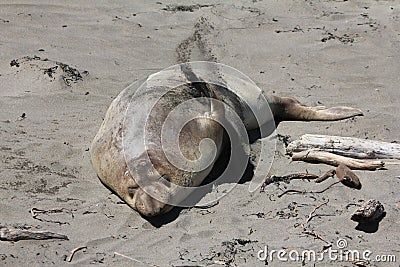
x=288 y=108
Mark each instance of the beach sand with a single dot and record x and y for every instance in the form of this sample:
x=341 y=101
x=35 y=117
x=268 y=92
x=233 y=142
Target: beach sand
x=321 y=52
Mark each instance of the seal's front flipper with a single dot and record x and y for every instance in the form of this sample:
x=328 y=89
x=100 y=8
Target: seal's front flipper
x=288 y=108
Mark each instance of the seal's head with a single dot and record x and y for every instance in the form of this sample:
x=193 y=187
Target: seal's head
x=149 y=206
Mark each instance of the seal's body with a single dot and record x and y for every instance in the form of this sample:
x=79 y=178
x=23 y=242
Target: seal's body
x=111 y=163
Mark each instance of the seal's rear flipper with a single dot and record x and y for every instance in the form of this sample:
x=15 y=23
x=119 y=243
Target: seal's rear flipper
x=327 y=114
x=288 y=108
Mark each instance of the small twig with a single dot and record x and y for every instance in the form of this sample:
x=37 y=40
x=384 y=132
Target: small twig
x=315 y=235
x=127 y=257
x=7 y=234
x=71 y=255
x=305 y=192
x=291 y=191
x=207 y=206
x=35 y=212
x=286 y=179
x=360 y=262
x=311 y=232
x=325 y=176
x=311 y=215
x=323 y=190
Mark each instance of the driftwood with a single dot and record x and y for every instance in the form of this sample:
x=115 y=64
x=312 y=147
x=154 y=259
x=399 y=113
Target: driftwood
x=346 y=146
x=325 y=176
x=335 y=160
x=15 y=234
x=69 y=259
x=347 y=177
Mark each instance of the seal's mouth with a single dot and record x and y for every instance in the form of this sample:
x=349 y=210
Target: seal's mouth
x=149 y=206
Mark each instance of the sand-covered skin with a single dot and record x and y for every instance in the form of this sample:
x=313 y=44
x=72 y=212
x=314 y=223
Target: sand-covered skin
x=321 y=52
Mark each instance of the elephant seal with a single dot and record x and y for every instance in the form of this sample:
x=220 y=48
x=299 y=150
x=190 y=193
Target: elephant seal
x=123 y=148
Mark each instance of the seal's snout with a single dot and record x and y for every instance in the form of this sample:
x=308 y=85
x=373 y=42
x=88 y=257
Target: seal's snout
x=149 y=206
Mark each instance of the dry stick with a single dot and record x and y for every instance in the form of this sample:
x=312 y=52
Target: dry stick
x=305 y=192
x=325 y=176
x=360 y=262
x=311 y=215
x=74 y=251
x=7 y=234
x=335 y=160
x=127 y=257
x=207 y=206
x=315 y=235
x=35 y=212
x=311 y=232
x=286 y=179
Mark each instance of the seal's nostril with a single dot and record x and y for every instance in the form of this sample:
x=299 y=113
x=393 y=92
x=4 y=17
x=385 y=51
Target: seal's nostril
x=131 y=191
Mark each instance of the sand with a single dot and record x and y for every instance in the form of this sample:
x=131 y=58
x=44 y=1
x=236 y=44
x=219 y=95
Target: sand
x=322 y=52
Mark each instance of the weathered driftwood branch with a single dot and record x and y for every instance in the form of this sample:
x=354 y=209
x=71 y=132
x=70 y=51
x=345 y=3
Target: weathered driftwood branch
x=347 y=177
x=346 y=146
x=335 y=160
x=14 y=234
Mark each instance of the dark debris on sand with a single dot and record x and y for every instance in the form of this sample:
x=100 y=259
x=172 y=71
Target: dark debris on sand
x=69 y=74
x=184 y=8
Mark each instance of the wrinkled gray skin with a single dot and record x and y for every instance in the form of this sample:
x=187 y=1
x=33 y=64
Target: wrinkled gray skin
x=107 y=152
